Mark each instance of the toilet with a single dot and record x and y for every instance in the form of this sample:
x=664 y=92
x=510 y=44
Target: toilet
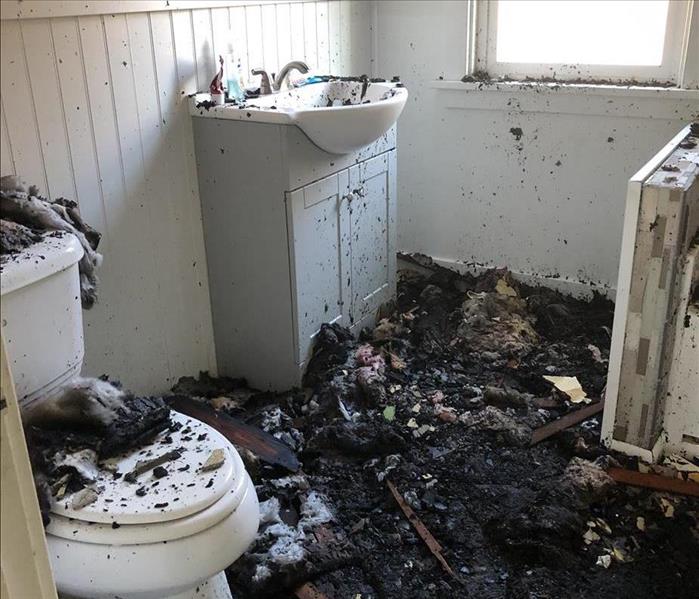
x=153 y=538
x=42 y=321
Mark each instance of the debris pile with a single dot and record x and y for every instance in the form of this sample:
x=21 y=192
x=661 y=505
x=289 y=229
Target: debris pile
x=88 y=420
x=452 y=449
x=26 y=216
x=441 y=454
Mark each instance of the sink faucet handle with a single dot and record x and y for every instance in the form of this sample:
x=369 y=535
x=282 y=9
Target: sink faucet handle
x=265 y=85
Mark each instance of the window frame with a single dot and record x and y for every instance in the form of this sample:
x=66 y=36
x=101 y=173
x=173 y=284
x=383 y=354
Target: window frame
x=681 y=21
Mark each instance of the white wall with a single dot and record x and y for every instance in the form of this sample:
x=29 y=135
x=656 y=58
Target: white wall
x=550 y=203
x=93 y=108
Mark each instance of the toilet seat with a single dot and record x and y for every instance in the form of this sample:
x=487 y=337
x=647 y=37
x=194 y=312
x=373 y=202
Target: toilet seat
x=189 y=500
x=176 y=569
x=172 y=552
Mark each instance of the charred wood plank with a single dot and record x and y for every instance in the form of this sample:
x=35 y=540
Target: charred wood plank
x=424 y=533
x=654 y=481
x=262 y=444
x=564 y=422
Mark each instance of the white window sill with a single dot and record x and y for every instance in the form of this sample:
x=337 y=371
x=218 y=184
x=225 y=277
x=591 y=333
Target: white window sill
x=641 y=91
x=570 y=98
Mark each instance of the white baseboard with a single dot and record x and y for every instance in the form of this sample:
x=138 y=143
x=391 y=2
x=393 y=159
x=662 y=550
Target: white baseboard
x=564 y=285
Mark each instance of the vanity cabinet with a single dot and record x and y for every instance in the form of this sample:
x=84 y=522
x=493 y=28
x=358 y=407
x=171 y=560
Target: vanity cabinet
x=339 y=247
x=295 y=237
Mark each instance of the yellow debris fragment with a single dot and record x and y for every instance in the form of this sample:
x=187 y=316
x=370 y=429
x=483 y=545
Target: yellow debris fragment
x=590 y=536
x=570 y=386
x=84 y=498
x=619 y=555
x=214 y=461
x=397 y=363
x=504 y=289
x=680 y=464
x=668 y=508
x=603 y=525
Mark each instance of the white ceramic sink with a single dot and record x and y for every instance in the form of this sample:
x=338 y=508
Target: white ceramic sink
x=338 y=116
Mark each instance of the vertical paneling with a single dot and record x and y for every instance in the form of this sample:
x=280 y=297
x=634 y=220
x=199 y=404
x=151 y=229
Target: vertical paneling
x=310 y=34
x=194 y=265
x=186 y=286
x=95 y=108
x=270 y=56
x=153 y=174
x=77 y=111
x=298 y=47
x=283 y=33
x=7 y=165
x=103 y=342
x=49 y=108
x=176 y=223
x=204 y=47
x=184 y=48
x=221 y=29
x=143 y=310
x=253 y=23
x=18 y=102
x=240 y=38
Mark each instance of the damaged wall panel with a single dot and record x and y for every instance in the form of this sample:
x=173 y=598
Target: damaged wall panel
x=94 y=109
x=655 y=284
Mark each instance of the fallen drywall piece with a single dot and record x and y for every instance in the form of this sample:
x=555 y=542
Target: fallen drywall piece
x=570 y=386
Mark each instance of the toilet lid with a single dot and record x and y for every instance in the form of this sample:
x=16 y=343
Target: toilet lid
x=184 y=490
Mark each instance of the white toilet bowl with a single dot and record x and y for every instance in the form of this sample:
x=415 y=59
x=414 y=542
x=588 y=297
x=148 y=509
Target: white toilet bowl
x=122 y=545
x=171 y=543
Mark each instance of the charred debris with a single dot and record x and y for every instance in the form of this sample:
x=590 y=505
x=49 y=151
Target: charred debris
x=26 y=217
x=412 y=463
x=440 y=402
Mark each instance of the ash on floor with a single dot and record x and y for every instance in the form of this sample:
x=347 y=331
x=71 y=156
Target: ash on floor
x=441 y=398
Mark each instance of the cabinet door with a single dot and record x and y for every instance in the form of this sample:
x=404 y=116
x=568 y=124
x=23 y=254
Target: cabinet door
x=372 y=233
x=317 y=218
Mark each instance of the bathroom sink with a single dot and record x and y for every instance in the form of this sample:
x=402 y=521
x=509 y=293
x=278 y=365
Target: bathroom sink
x=338 y=116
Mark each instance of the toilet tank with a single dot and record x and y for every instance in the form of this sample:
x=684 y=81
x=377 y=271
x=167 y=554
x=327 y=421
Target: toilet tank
x=42 y=315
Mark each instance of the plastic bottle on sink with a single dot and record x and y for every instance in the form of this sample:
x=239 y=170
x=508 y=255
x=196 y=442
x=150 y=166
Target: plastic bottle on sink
x=234 y=77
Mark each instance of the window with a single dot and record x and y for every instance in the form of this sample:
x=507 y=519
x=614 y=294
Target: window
x=618 y=40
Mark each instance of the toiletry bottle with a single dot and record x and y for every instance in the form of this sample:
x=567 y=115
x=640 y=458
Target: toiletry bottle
x=233 y=84
x=216 y=85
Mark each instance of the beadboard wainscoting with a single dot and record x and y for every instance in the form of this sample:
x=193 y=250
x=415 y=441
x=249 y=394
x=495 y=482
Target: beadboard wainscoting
x=94 y=108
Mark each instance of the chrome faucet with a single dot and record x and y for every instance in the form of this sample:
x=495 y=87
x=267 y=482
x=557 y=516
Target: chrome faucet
x=268 y=86
x=265 y=87
x=279 y=80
